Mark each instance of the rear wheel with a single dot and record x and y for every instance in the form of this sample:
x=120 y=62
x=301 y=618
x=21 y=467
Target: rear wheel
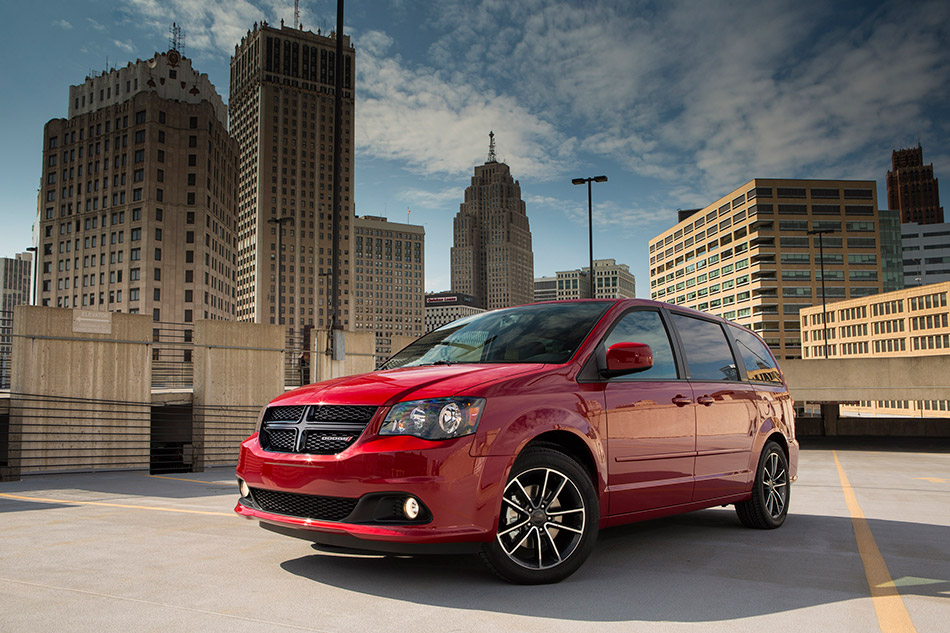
x=548 y=521
x=768 y=506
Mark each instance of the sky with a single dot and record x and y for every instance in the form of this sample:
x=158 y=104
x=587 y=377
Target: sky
x=677 y=103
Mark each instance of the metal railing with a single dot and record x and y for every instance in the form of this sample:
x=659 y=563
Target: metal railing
x=60 y=434
x=172 y=355
x=6 y=348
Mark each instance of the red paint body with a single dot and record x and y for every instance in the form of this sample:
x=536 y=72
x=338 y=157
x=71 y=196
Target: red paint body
x=658 y=447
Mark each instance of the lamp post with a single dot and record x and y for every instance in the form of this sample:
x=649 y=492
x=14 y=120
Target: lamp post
x=821 y=255
x=36 y=256
x=590 y=225
x=280 y=228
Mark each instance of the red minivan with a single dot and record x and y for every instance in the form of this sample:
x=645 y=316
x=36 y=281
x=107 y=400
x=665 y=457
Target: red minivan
x=519 y=433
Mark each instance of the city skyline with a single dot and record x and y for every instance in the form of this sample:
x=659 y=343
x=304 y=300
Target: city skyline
x=690 y=114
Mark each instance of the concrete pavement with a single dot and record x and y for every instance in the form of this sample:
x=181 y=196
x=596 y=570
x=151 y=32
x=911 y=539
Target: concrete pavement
x=130 y=552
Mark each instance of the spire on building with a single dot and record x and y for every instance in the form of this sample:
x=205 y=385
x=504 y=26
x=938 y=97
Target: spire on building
x=491 y=148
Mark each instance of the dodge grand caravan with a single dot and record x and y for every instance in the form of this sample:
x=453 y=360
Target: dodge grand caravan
x=519 y=433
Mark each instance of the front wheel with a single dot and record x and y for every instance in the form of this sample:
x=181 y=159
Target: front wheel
x=548 y=521
x=768 y=506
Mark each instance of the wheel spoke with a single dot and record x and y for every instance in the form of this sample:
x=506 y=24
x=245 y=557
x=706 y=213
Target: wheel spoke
x=538 y=532
x=561 y=526
x=558 y=492
x=780 y=476
x=547 y=532
x=515 y=505
x=512 y=529
x=543 y=489
x=563 y=512
x=524 y=492
x=520 y=543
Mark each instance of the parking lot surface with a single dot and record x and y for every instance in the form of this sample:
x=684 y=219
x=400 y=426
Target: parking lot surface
x=133 y=552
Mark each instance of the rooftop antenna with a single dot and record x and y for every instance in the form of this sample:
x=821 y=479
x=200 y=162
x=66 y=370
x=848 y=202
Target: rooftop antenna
x=296 y=14
x=491 y=148
x=176 y=38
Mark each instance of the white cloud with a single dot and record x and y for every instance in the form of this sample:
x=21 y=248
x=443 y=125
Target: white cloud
x=96 y=25
x=63 y=24
x=424 y=199
x=126 y=46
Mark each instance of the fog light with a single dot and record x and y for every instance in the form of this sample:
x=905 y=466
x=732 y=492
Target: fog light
x=245 y=491
x=411 y=508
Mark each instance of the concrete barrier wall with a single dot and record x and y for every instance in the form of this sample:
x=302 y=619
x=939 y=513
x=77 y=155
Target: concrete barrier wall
x=238 y=369
x=360 y=356
x=875 y=427
x=851 y=379
x=80 y=387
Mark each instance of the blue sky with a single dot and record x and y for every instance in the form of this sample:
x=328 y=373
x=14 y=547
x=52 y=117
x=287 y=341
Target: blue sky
x=676 y=102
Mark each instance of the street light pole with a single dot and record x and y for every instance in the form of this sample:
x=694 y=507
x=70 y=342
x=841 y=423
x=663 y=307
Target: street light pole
x=821 y=255
x=36 y=256
x=280 y=229
x=590 y=226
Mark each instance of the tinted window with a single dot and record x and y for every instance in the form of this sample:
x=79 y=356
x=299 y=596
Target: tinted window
x=759 y=364
x=645 y=326
x=539 y=333
x=708 y=356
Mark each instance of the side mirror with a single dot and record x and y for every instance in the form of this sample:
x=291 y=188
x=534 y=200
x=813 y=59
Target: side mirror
x=628 y=358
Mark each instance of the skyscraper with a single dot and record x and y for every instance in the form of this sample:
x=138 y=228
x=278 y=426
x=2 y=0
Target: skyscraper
x=137 y=205
x=491 y=255
x=750 y=257
x=389 y=269
x=912 y=188
x=15 y=276
x=282 y=104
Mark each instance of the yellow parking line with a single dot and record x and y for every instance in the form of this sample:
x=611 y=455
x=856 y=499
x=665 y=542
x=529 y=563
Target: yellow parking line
x=892 y=615
x=113 y=505
x=197 y=481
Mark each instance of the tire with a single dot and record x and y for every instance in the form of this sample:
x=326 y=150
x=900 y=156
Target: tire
x=768 y=507
x=548 y=522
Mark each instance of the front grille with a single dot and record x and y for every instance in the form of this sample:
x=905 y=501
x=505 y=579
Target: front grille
x=323 y=429
x=326 y=442
x=303 y=506
x=283 y=440
x=339 y=413
x=283 y=414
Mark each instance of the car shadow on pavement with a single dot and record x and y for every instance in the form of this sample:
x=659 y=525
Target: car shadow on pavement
x=696 y=567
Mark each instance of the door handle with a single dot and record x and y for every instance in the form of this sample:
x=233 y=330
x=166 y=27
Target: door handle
x=681 y=401
x=706 y=400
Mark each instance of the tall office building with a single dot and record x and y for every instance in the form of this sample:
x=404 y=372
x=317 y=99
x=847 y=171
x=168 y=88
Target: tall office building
x=749 y=257
x=15 y=275
x=491 y=254
x=282 y=112
x=912 y=188
x=137 y=203
x=388 y=280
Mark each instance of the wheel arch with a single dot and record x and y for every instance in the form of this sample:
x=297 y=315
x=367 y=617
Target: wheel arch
x=573 y=446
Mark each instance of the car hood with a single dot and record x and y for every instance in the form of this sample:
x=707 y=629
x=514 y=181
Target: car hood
x=406 y=383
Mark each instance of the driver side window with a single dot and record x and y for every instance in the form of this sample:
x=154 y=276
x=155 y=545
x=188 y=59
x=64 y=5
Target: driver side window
x=646 y=326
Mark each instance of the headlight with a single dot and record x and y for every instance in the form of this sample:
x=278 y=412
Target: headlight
x=437 y=419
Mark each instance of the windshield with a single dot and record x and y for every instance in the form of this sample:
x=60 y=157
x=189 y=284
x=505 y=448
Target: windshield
x=538 y=333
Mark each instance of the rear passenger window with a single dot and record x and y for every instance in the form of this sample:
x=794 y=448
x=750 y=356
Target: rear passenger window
x=708 y=356
x=645 y=326
x=759 y=364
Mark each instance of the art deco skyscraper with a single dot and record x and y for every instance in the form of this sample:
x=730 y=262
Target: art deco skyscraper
x=282 y=110
x=137 y=208
x=912 y=188
x=491 y=256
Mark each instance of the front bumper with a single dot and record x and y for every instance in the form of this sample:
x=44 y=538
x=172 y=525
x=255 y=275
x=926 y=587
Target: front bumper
x=459 y=492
